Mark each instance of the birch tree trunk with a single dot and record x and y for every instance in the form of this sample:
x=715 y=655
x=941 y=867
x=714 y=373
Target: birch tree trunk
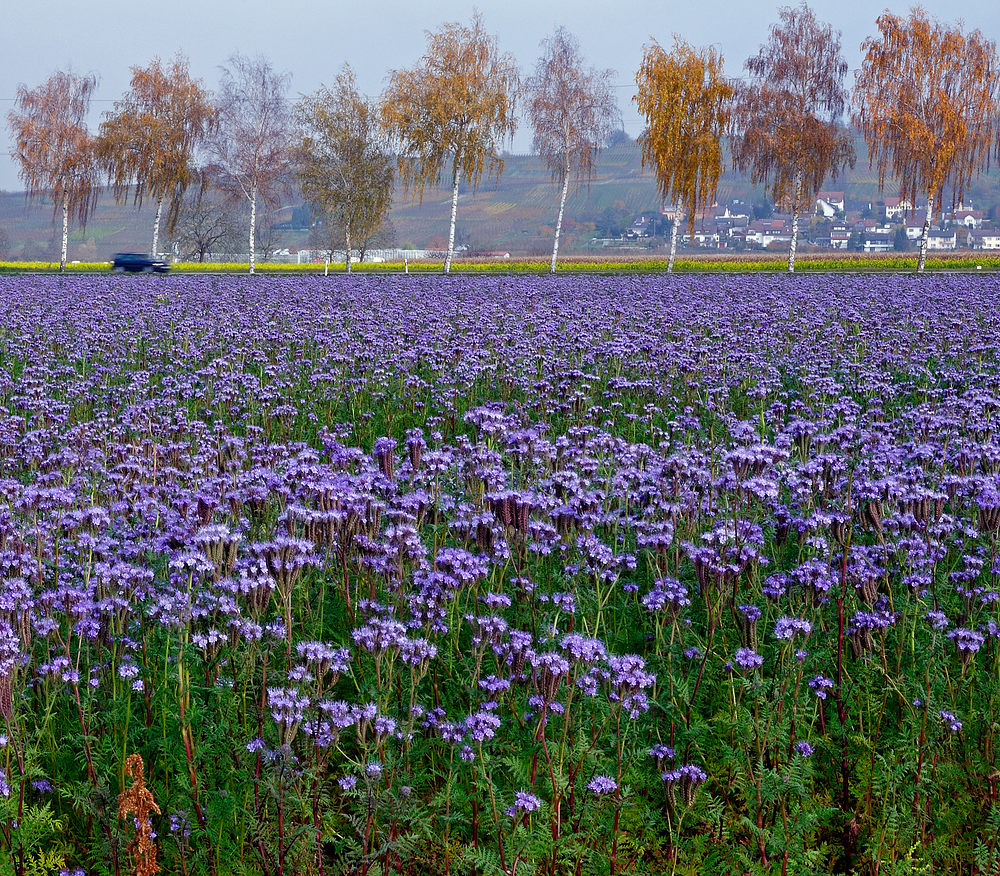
x=559 y=218
x=347 y=251
x=925 y=234
x=795 y=222
x=65 y=236
x=673 y=239
x=253 y=225
x=156 y=226
x=456 y=176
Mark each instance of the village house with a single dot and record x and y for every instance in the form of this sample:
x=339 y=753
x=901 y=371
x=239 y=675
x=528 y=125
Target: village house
x=764 y=232
x=830 y=204
x=703 y=237
x=986 y=239
x=876 y=241
x=967 y=217
x=941 y=239
x=896 y=208
x=645 y=225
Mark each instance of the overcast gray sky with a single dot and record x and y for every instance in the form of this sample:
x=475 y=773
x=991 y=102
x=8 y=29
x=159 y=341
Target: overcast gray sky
x=311 y=39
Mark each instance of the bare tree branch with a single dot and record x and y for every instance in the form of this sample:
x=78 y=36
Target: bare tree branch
x=251 y=144
x=573 y=111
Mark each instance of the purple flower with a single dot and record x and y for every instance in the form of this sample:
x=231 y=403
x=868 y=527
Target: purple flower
x=524 y=802
x=821 y=685
x=786 y=627
x=687 y=778
x=629 y=679
x=667 y=594
x=967 y=641
x=601 y=785
x=938 y=619
x=803 y=749
x=950 y=720
x=748 y=659
x=482 y=726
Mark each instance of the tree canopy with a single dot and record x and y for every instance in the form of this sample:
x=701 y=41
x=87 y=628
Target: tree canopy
x=345 y=169
x=927 y=101
x=685 y=99
x=573 y=112
x=787 y=119
x=53 y=146
x=455 y=106
x=147 y=142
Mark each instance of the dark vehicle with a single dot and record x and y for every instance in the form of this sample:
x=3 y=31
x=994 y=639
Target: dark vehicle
x=136 y=262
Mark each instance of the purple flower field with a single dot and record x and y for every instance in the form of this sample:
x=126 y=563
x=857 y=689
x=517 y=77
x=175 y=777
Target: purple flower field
x=501 y=575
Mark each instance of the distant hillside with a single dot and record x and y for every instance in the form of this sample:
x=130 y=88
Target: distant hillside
x=515 y=214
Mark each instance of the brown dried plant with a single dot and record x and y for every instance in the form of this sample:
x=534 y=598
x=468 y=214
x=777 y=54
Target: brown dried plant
x=137 y=803
x=685 y=98
x=927 y=101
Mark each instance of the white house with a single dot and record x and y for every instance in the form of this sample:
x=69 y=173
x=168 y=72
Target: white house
x=876 y=241
x=941 y=239
x=829 y=204
x=987 y=239
x=969 y=218
x=896 y=208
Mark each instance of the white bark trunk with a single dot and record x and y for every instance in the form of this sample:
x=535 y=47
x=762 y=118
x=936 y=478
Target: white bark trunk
x=65 y=237
x=347 y=252
x=253 y=226
x=156 y=227
x=795 y=223
x=559 y=219
x=925 y=233
x=454 y=213
x=673 y=239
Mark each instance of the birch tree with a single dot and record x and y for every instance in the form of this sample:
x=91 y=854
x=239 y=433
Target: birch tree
x=787 y=131
x=573 y=111
x=686 y=101
x=454 y=108
x=54 y=148
x=345 y=169
x=927 y=101
x=251 y=143
x=147 y=142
